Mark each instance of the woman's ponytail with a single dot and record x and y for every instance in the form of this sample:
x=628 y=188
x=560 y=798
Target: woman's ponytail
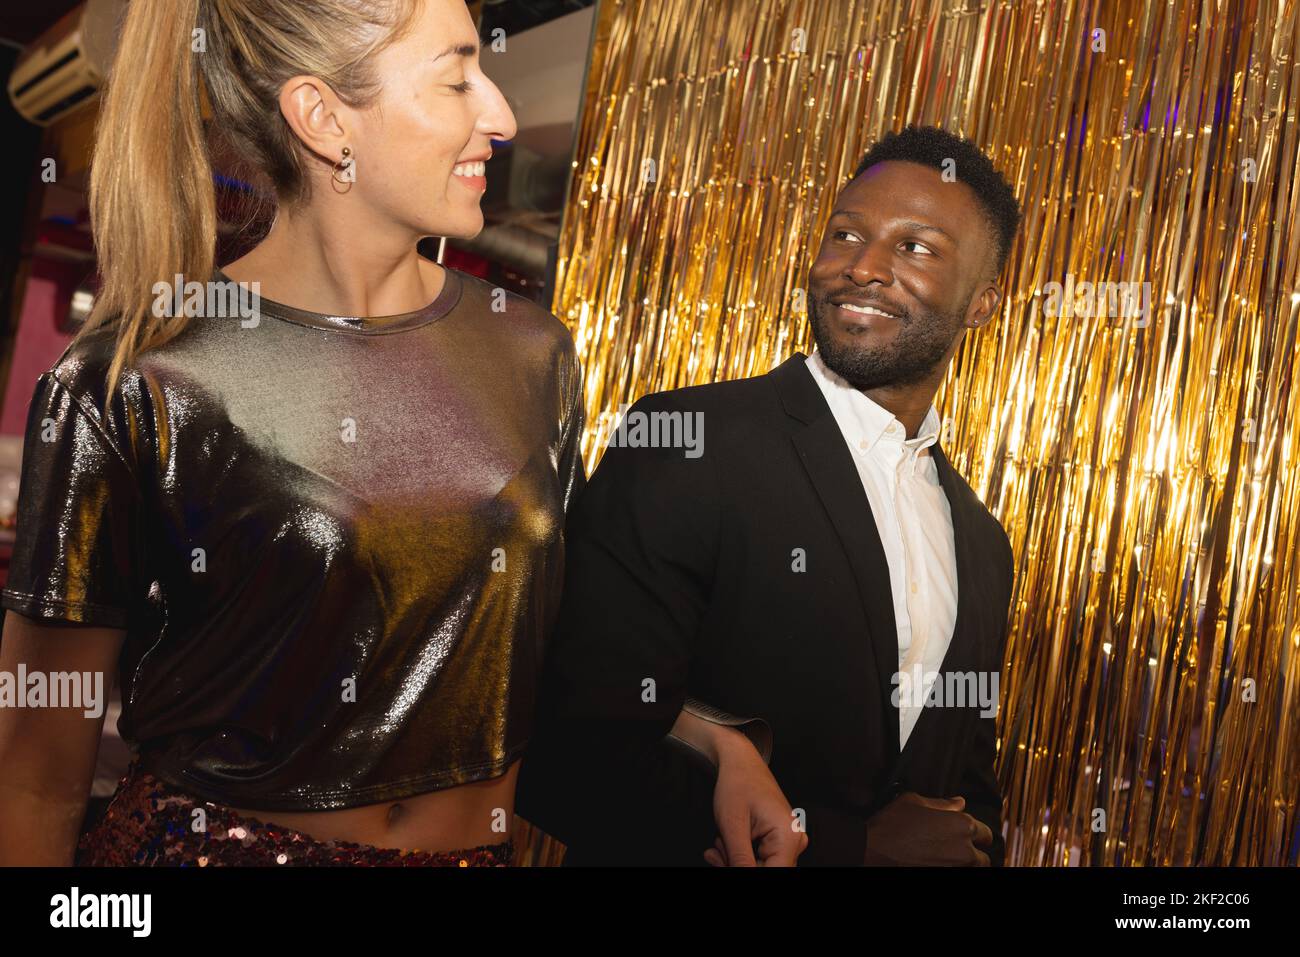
x=152 y=202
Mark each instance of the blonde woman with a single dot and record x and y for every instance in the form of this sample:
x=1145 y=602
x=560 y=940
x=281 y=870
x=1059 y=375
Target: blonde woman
x=320 y=544
x=319 y=541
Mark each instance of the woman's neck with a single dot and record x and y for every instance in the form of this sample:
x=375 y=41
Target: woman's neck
x=324 y=267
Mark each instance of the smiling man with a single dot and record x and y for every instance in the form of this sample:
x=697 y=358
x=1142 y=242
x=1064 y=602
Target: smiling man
x=820 y=567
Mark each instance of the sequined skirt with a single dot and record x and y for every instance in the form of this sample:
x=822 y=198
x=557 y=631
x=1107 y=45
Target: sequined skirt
x=149 y=823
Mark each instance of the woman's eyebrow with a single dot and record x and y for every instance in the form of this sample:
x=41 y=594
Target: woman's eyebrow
x=458 y=49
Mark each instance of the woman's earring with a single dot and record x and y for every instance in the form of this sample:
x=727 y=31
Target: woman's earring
x=345 y=171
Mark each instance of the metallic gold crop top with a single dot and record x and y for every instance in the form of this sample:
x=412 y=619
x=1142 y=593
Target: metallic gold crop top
x=335 y=544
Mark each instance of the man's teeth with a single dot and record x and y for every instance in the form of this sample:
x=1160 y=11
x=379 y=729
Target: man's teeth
x=866 y=310
x=470 y=169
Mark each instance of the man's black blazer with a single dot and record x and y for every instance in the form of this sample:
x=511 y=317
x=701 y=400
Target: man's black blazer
x=681 y=581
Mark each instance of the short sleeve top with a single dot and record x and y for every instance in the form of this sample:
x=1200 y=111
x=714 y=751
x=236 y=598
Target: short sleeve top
x=335 y=543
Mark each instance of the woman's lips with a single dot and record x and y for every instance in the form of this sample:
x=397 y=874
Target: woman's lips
x=471 y=175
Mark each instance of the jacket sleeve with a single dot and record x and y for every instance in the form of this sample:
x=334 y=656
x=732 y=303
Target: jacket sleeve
x=601 y=774
x=979 y=786
x=979 y=778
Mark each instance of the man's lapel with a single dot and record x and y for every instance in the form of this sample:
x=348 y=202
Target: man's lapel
x=962 y=649
x=830 y=466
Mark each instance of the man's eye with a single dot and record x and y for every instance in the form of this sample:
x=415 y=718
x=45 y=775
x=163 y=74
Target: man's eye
x=920 y=247
x=844 y=234
x=464 y=87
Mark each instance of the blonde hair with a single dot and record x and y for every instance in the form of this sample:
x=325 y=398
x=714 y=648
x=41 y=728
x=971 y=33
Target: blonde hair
x=152 y=199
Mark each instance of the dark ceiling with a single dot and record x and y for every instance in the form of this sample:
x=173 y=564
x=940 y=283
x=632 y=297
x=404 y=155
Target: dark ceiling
x=22 y=21
x=515 y=15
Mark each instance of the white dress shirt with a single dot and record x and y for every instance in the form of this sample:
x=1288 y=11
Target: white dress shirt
x=915 y=524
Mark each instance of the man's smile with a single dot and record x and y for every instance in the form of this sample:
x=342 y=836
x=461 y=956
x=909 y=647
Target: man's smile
x=865 y=310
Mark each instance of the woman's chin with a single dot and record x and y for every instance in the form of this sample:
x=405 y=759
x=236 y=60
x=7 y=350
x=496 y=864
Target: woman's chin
x=463 y=227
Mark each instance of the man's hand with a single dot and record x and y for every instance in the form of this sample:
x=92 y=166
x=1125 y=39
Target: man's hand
x=751 y=811
x=912 y=830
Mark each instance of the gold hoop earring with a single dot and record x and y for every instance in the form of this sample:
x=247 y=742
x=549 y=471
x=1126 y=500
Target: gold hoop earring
x=346 y=166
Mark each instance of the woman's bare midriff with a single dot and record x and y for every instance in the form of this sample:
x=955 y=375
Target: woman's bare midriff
x=452 y=819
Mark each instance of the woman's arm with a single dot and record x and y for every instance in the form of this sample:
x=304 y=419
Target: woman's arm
x=47 y=755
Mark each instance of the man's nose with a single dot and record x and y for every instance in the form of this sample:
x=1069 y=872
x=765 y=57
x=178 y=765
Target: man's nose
x=873 y=263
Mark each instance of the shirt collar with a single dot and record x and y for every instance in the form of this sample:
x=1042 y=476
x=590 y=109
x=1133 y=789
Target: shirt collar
x=863 y=421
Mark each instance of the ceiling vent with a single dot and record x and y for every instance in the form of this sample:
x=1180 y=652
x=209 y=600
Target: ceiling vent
x=65 y=66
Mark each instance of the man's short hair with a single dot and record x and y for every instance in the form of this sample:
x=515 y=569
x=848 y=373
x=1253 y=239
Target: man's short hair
x=933 y=147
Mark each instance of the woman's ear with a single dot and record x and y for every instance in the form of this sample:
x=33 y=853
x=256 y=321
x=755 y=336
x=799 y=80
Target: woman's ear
x=316 y=115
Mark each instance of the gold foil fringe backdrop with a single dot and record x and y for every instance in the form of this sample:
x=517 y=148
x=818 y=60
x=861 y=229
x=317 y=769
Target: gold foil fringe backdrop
x=1140 y=464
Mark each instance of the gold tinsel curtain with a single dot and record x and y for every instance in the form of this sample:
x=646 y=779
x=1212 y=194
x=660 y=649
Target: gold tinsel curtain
x=1142 y=469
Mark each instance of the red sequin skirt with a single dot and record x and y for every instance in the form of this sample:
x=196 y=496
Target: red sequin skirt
x=151 y=824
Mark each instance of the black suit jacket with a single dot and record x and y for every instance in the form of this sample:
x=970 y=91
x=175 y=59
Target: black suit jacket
x=680 y=581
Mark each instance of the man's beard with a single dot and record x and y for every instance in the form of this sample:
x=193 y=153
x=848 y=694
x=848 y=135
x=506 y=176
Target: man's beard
x=917 y=349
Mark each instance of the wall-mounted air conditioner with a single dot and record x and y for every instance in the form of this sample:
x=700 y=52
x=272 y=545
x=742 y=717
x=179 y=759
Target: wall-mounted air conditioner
x=65 y=66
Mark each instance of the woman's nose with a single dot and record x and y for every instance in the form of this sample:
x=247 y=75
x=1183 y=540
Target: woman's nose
x=498 y=120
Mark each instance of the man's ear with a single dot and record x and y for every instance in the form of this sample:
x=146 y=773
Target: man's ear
x=316 y=115
x=984 y=305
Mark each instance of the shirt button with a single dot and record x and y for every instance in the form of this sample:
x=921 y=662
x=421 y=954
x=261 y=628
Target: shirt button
x=864 y=445
x=913 y=588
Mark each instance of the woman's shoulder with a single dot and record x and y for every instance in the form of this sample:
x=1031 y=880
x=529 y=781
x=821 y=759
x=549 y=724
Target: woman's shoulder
x=520 y=314
x=78 y=382
x=83 y=367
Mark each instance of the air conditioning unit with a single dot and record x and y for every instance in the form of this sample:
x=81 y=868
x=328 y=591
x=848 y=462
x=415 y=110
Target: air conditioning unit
x=65 y=66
